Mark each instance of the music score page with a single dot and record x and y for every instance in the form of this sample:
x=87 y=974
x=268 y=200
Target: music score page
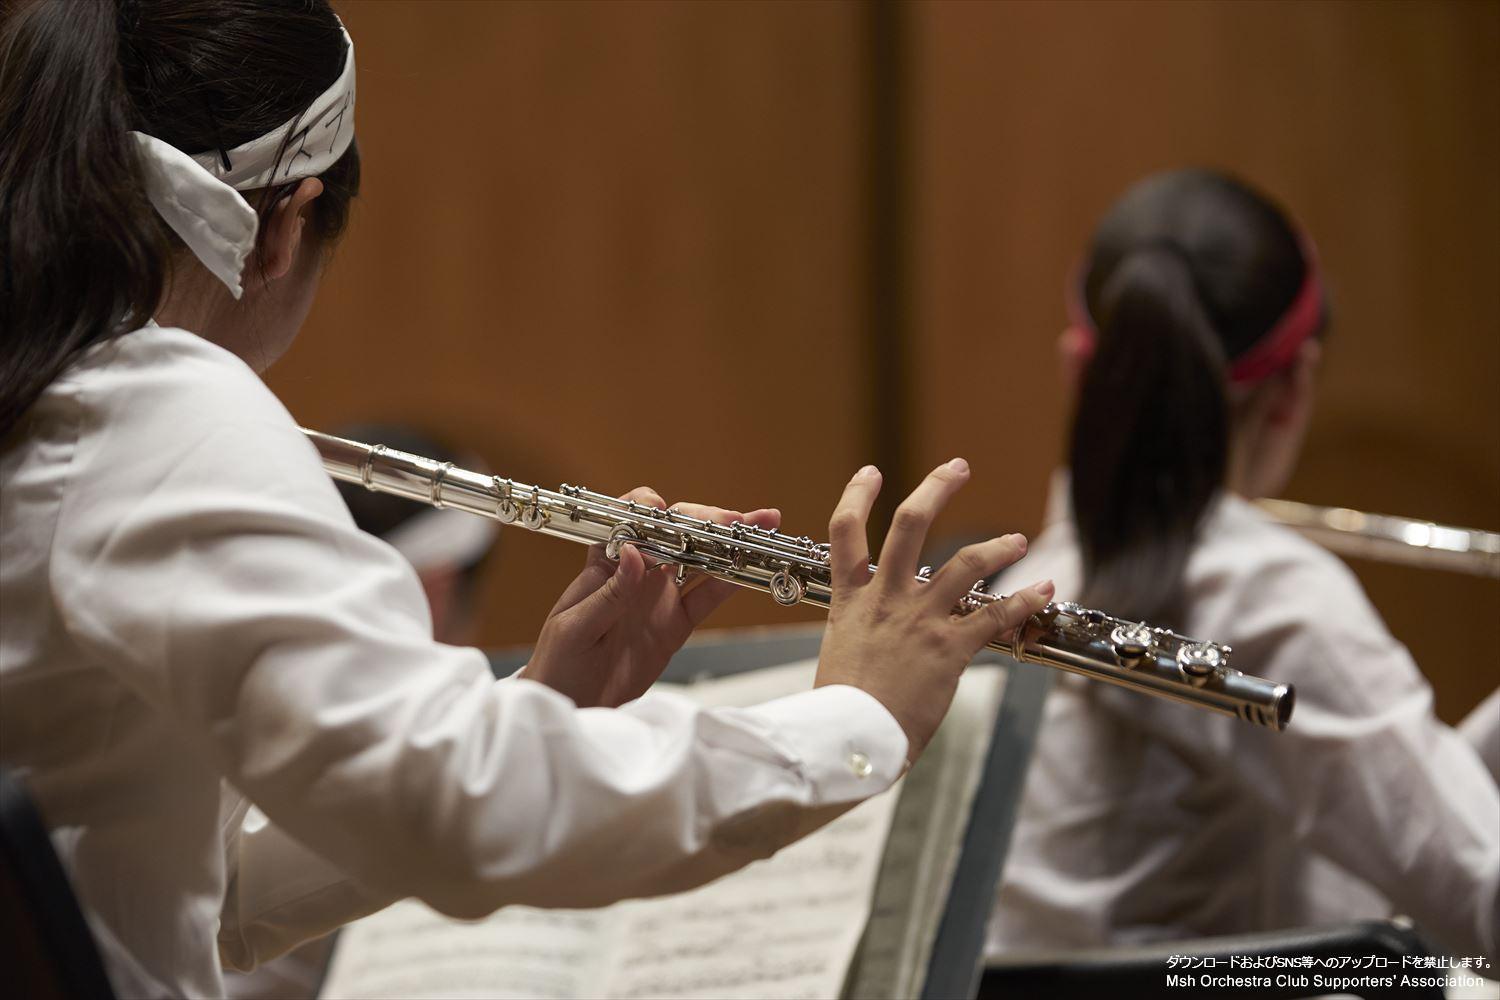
x=787 y=926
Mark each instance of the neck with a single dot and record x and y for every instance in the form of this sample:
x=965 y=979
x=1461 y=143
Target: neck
x=1262 y=455
x=197 y=302
x=194 y=300
x=1239 y=477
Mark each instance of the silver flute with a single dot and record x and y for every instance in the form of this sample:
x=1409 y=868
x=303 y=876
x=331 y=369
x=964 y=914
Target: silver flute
x=1387 y=538
x=795 y=570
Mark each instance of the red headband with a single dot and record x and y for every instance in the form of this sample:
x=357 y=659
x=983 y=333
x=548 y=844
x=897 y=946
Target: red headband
x=1268 y=355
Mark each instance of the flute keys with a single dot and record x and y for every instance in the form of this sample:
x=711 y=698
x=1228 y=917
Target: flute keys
x=534 y=517
x=786 y=589
x=619 y=535
x=1131 y=642
x=1068 y=608
x=967 y=605
x=1200 y=662
x=970 y=602
x=506 y=509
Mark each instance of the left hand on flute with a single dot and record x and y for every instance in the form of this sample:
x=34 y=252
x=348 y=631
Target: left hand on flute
x=610 y=635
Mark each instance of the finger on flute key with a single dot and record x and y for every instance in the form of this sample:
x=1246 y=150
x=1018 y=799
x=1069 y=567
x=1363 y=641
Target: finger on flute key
x=1006 y=614
x=979 y=561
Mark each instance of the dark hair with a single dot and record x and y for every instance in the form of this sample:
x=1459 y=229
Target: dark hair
x=1187 y=271
x=83 y=257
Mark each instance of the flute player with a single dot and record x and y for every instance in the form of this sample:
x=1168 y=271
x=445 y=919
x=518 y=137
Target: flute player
x=1139 y=827
x=192 y=623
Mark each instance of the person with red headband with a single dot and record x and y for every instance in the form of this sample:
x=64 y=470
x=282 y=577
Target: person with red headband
x=1196 y=328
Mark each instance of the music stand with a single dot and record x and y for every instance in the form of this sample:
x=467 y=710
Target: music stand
x=958 y=951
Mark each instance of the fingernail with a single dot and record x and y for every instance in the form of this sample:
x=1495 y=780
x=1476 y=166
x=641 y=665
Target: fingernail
x=1046 y=588
x=867 y=472
x=959 y=466
x=1017 y=539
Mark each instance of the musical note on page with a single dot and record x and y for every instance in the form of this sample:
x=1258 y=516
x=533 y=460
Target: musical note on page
x=784 y=927
x=408 y=951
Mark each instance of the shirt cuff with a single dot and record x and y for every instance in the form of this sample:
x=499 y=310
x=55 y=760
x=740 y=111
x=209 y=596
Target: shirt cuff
x=848 y=745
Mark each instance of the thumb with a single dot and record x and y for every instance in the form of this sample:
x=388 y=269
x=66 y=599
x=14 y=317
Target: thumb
x=597 y=611
x=597 y=569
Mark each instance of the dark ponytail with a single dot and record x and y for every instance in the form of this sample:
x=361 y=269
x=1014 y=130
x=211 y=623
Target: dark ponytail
x=1150 y=438
x=83 y=256
x=1188 y=271
x=81 y=252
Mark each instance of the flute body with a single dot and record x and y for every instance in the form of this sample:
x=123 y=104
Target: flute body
x=1387 y=538
x=795 y=570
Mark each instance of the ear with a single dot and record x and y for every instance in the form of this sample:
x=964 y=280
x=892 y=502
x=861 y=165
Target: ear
x=284 y=226
x=1074 y=348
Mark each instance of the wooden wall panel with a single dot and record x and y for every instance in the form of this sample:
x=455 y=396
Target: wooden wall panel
x=608 y=244
x=1375 y=122
x=625 y=243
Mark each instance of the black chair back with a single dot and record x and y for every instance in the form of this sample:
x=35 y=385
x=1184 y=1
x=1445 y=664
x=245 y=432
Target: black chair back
x=46 y=949
x=1373 y=949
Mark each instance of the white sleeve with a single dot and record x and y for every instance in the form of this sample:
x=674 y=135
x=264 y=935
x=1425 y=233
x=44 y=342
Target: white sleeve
x=221 y=578
x=1481 y=728
x=280 y=894
x=1367 y=775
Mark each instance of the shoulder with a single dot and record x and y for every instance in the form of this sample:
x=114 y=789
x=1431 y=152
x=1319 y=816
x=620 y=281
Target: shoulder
x=162 y=414
x=1285 y=602
x=1243 y=552
x=158 y=375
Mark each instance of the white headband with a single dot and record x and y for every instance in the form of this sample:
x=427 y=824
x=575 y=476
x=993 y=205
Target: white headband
x=199 y=197
x=442 y=538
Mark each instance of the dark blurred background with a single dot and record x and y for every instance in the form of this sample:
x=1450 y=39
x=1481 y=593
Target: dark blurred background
x=735 y=251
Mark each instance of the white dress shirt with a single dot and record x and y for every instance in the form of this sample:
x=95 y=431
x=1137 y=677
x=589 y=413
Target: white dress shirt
x=1481 y=728
x=1145 y=820
x=191 y=620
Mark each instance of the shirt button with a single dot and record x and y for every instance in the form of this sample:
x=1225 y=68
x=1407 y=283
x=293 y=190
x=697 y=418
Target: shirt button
x=860 y=765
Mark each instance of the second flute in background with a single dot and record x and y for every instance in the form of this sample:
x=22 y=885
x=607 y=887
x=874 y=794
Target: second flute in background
x=1388 y=538
x=794 y=570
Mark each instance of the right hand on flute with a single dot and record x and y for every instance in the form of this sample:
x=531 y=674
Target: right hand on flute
x=897 y=639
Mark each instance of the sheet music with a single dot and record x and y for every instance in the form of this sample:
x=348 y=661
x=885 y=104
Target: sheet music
x=924 y=845
x=783 y=927
x=753 y=687
x=407 y=951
